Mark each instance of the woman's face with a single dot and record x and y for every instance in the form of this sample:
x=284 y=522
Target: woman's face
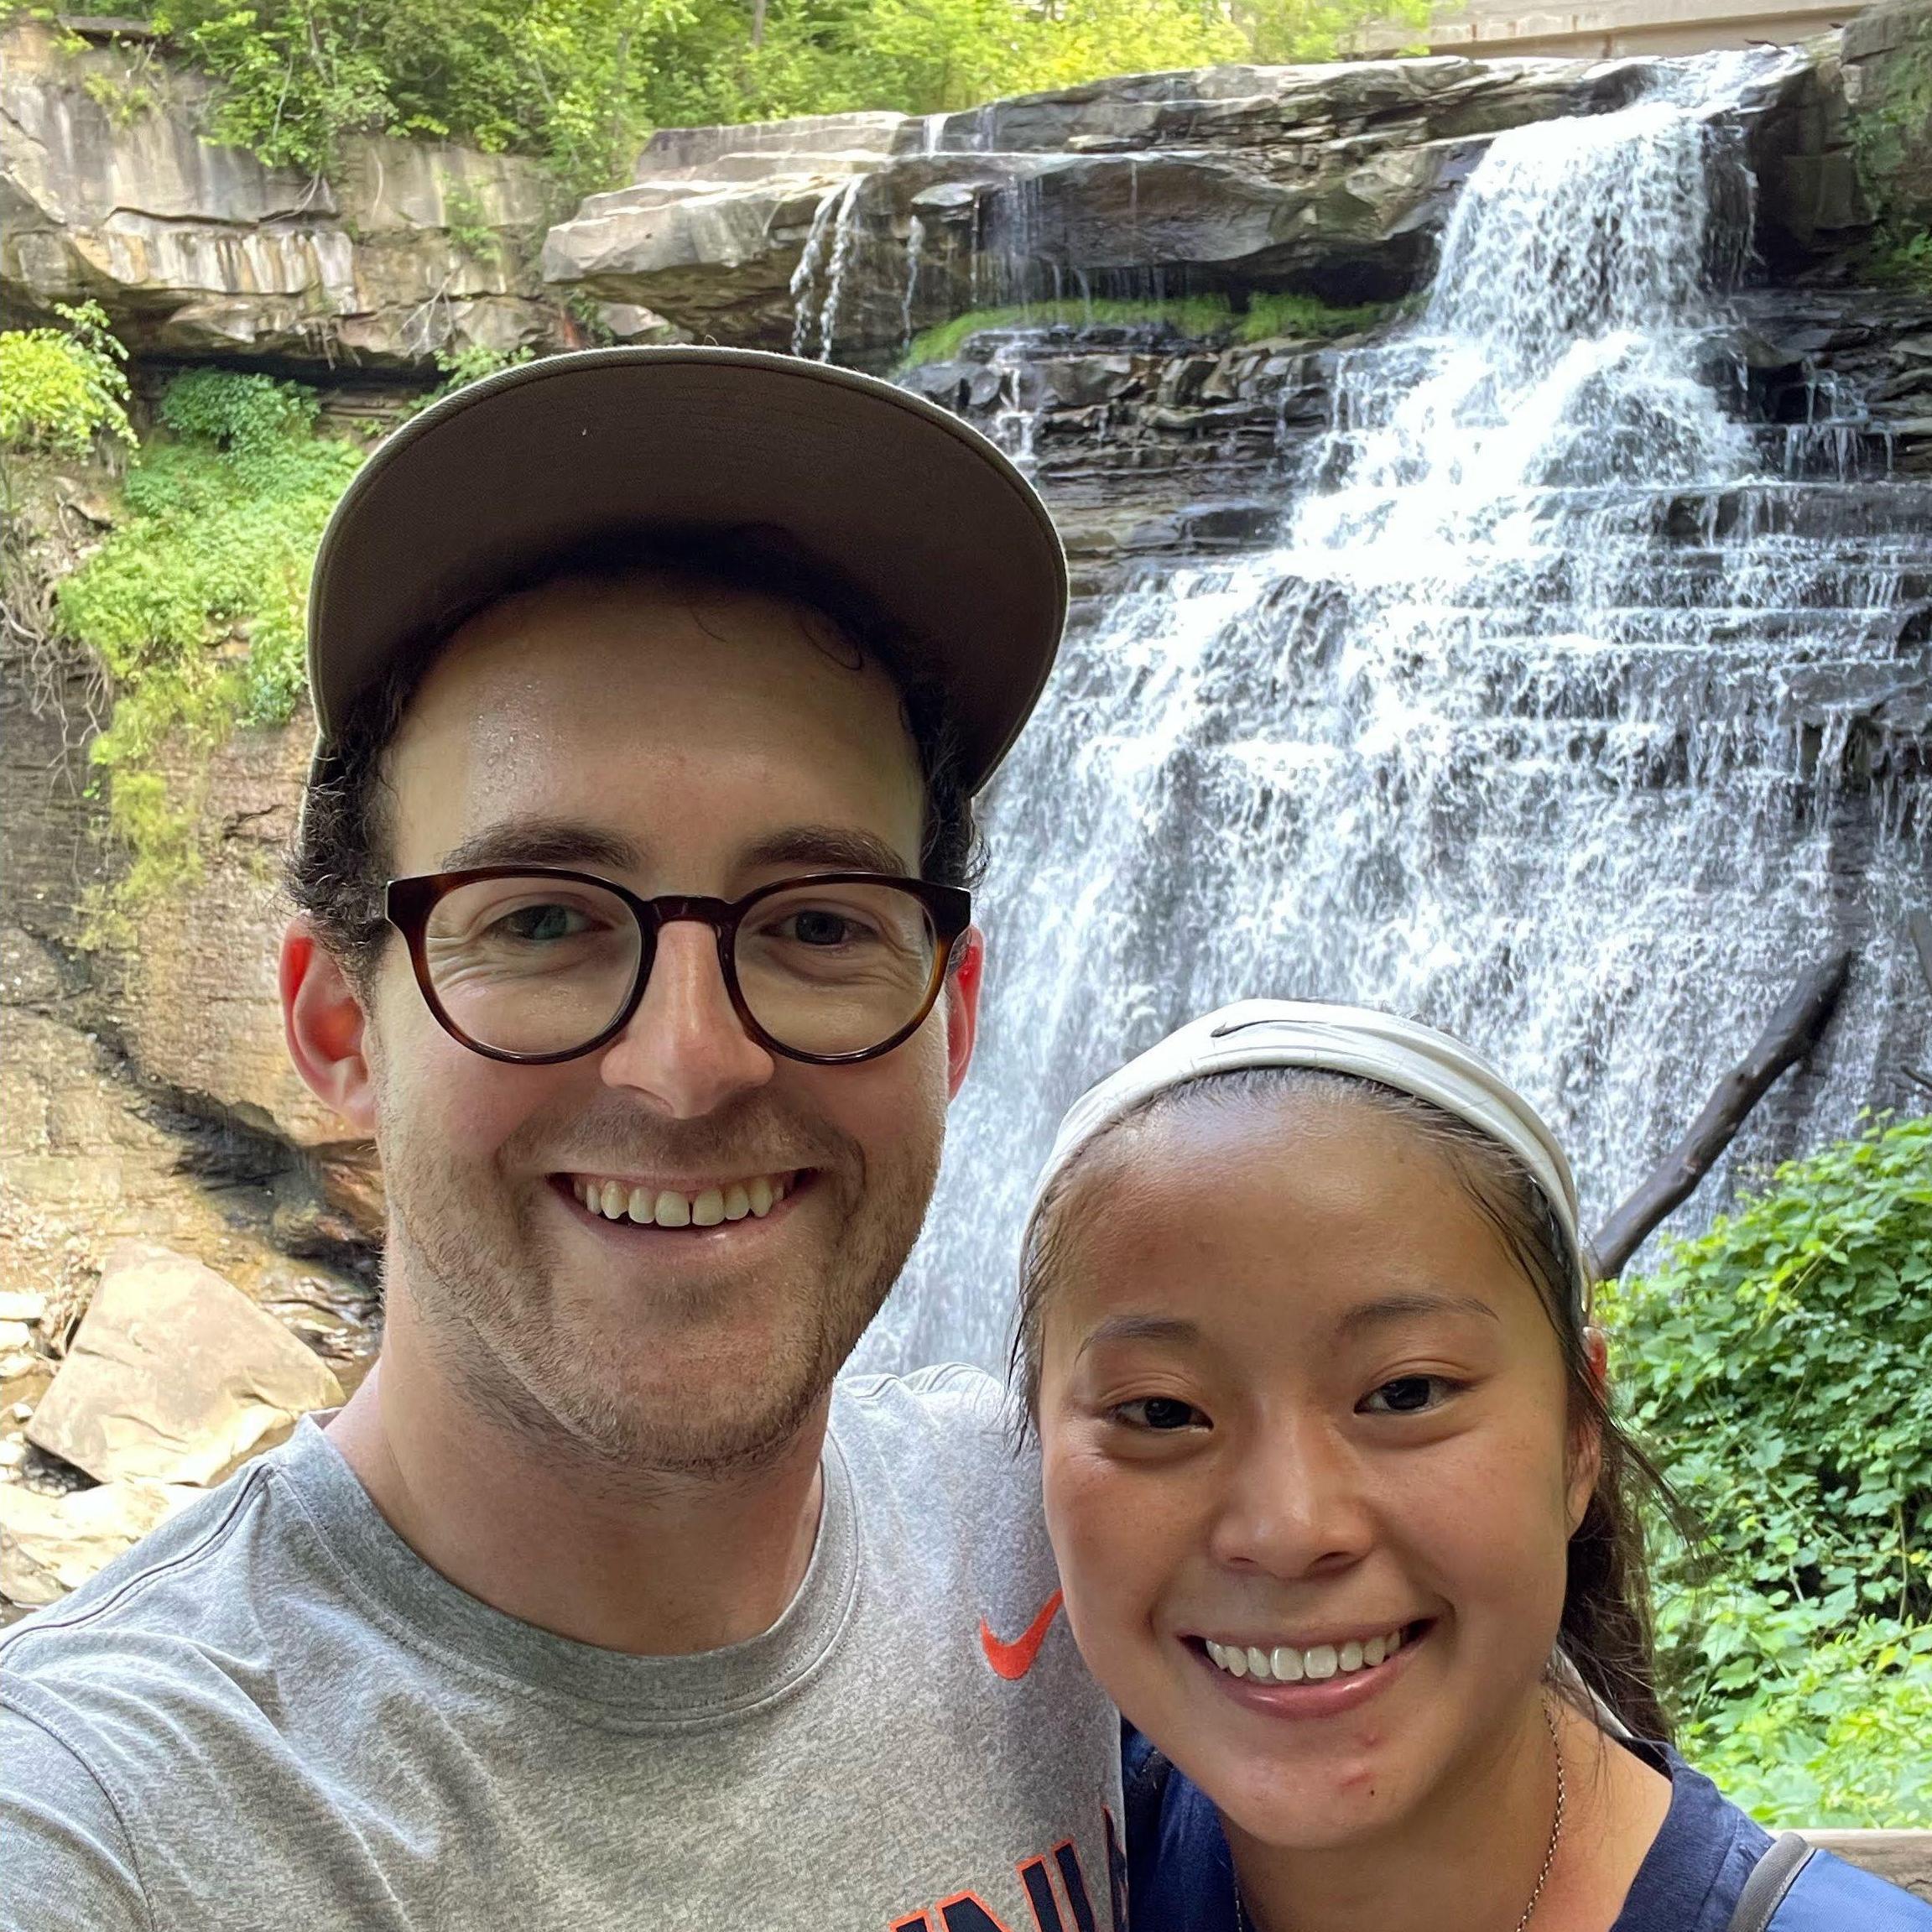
x=1301 y=1409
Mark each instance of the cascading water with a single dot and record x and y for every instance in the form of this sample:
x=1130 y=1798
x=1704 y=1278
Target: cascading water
x=1539 y=723
x=817 y=283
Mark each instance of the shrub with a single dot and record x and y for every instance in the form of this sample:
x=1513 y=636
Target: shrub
x=61 y=389
x=1779 y=1367
x=195 y=603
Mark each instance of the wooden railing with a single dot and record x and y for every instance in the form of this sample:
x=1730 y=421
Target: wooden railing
x=1905 y=1857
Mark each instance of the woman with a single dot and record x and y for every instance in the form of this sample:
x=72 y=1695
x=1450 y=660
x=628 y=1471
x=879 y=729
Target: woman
x=1344 y=1522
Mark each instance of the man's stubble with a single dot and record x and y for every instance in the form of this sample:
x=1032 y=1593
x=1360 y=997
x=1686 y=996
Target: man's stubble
x=490 y=1291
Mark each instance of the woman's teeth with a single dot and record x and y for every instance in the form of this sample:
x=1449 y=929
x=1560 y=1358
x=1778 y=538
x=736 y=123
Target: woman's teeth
x=1286 y=1665
x=666 y=1207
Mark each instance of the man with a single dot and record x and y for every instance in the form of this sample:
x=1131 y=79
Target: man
x=656 y=684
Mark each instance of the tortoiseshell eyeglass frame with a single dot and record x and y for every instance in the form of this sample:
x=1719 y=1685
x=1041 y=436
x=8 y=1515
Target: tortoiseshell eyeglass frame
x=407 y=903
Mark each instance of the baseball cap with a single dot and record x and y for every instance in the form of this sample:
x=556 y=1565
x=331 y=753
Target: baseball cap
x=1383 y=1047
x=915 y=510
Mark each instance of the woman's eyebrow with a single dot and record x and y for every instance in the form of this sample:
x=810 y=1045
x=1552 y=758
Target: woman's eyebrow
x=1142 y=1328
x=1403 y=1307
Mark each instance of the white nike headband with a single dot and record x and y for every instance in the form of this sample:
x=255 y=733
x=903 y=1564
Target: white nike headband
x=1348 y=1039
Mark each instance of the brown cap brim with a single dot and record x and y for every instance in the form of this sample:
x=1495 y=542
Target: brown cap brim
x=921 y=514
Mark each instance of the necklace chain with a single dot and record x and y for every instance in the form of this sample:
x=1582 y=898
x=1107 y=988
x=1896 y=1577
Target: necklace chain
x=1555 y=1822
x=1243 y=1923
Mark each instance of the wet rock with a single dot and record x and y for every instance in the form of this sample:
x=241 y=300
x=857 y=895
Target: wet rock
x=175 y=1376
x=50 y=1544
x=194 y=248
x=200 y=1005
x=337 y=1316
x=627 y=322
x=201 y=1012
x=1327 y=179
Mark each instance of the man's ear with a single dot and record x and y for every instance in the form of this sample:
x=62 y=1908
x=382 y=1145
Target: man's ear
x=961 y=998
x=1587 y=1441
x=326 y=1026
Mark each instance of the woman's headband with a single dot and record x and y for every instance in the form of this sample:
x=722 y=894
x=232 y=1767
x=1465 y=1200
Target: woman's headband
x=1348 y=1039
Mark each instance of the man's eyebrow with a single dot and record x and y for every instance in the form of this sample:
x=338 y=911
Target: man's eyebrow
x=1142 y=1328
x=1386 y=1307
x=545 y=842
x=825 y=848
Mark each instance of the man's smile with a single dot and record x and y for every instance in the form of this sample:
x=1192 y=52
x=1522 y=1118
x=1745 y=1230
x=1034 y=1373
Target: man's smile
x=687 y=1204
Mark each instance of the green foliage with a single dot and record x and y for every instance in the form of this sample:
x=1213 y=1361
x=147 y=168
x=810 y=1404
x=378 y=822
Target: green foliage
x=1891 y=147
x=564 y=79
x=1778 y=1366
x=921 y=57
x=462 y=367
x=467 y=222
x=1304 y=317
x=62 y=389
x=1839 y=1737
x=1199 y=316
x=1205 y=318
x=1288 y=31
x=195 y=602
x=581 y=82
x=1904 y=255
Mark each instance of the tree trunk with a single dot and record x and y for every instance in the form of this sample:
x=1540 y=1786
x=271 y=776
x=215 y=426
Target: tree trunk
x=1794 y=1029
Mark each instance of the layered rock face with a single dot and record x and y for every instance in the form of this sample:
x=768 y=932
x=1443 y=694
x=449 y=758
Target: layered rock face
x=847 y=235
x=1325 y=178
x=110 y=190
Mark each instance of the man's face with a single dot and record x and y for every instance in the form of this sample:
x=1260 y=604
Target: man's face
x=673 y=740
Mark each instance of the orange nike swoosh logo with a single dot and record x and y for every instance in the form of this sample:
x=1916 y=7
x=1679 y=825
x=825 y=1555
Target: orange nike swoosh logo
x=1011 y=1661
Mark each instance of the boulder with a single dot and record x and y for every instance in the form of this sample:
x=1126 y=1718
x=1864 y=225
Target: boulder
x=50 y=1544
x=111 y=190
x=174 y=1376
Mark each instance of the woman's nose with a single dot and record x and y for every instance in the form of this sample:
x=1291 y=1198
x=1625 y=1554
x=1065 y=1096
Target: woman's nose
x=1294 y=1503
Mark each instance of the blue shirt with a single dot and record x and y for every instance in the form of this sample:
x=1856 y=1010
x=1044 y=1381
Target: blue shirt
x=1181 y=1876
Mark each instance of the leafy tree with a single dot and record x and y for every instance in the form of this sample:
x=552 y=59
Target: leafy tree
x=579 y=82
x=565 y=79
x=1778 y=1366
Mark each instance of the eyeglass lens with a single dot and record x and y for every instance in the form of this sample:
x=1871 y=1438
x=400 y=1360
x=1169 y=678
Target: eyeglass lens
x=542 y=965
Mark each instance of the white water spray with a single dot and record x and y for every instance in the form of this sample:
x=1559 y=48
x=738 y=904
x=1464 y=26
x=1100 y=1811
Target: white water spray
x=1511 y=732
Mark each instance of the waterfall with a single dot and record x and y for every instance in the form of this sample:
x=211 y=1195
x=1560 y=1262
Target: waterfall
x=845 y=244
x=826 y=258
x=1545 y=720
x=909 y=298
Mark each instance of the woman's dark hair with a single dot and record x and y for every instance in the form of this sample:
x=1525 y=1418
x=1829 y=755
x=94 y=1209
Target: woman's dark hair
x=1606 y=1632
x=340 y=858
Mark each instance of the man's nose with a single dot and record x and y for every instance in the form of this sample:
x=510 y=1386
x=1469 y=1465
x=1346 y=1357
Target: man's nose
x=685 y=1048
x=1296 y=1503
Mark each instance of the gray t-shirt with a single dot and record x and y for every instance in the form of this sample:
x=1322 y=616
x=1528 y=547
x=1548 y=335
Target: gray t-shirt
x=272 y=1713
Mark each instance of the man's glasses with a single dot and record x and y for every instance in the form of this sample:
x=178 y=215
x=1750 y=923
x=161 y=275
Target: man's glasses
x=533 y=964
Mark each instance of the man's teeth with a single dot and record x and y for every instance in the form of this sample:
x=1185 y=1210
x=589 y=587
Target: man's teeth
x=1286 y=1665
x=666 y=1207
